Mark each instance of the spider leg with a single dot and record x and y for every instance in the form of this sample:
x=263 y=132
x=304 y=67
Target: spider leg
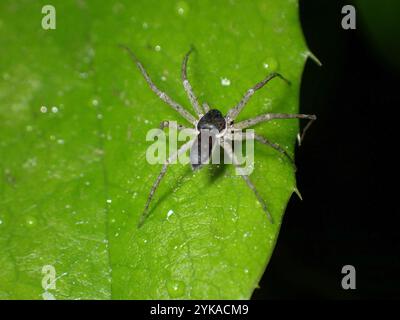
x=227 y=147
x=234 y=112
x=300 y=138
x=265 y=141
x=188 y=87
x=162 y=95
x=206 y=107
x=161 y=175
x=166 y=124
x=270 y=116
x=259 y=198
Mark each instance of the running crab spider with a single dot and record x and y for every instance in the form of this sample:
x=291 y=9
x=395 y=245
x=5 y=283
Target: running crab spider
x=220 y=127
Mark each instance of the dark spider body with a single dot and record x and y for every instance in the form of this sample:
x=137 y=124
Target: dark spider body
x=209 y=126
x=213 y=119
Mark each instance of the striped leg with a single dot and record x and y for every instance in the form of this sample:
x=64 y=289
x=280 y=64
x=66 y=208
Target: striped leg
x=182 y=150
x=162 y=95
x=188 y=88
x=234 y=112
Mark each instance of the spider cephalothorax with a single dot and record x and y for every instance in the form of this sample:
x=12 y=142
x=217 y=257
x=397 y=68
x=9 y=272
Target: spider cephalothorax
x=213 y=119
x=217 y=130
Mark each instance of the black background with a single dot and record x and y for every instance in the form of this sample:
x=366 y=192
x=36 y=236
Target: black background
x=346 y=171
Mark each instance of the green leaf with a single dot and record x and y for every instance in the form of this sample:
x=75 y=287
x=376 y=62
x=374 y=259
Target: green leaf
x=75 y=178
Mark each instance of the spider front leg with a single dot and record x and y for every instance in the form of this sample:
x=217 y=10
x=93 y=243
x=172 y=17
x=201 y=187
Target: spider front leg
x=206 y=107
x=239 y=135
x=270 y=116
x=234 y=112
x=188 y=88
x=228 y=148
x=173 y=157
x=162 y=95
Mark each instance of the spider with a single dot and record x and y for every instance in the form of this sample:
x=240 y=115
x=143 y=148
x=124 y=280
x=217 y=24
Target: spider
x=223 y=128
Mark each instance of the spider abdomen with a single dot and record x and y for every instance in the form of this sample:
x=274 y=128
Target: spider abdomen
x=202 y=149
x=209 y=126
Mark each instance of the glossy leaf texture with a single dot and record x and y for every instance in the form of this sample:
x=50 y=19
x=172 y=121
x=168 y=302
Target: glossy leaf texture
x=74 y=114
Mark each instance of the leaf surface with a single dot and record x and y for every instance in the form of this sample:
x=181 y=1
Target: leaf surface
x=74 y=114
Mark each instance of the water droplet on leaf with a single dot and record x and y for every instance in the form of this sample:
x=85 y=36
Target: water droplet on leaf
x=271 y=64
x=225 y=82
x=176 y=288
x=182 y=8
